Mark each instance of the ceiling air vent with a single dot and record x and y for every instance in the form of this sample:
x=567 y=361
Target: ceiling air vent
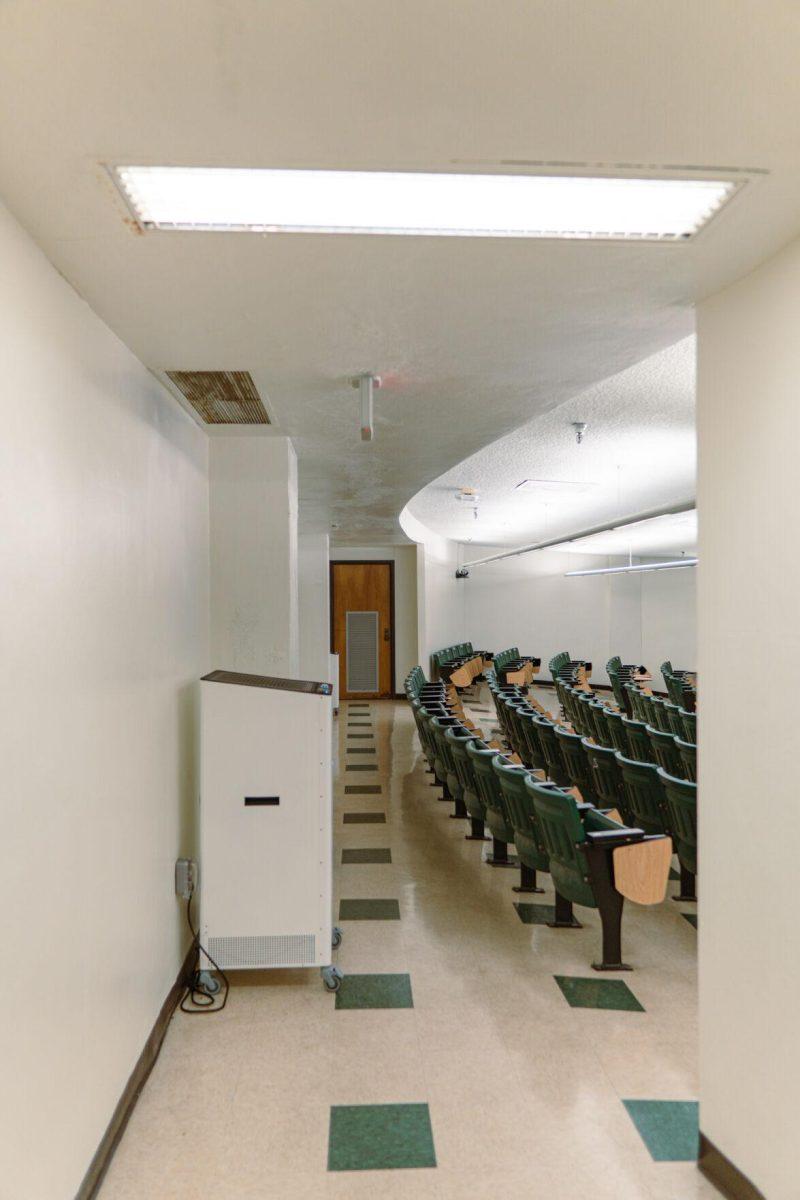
x=221 y=397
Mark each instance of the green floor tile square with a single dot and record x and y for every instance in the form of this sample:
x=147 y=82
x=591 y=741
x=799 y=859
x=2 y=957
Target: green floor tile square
x=369 y=910
x=669 y=1128
x=361 y=767
x=375 y=991
x=366 y=855
x=598 y=993
x=359 y=724
x=368 y=818
x=380 y=1137
x=360 y=749
x=361 y=735
x=691 y=918
x=363 y=789
x=536 y=914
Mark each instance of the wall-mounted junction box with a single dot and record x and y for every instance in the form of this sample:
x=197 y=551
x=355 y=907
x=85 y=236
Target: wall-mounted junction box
x=185 y=877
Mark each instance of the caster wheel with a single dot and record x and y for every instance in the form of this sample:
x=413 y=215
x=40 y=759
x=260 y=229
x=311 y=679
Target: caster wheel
x=336 y=937
x=206 y=982
x=332 y=978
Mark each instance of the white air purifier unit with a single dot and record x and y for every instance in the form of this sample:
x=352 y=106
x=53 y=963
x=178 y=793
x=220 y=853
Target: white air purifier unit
x=266 y=822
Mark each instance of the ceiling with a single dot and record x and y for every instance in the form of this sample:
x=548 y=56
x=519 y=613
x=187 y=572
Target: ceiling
x=472 y=337
x=637 y=453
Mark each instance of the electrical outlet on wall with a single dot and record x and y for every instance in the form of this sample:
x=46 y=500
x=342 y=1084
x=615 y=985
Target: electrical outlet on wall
x=185 y=877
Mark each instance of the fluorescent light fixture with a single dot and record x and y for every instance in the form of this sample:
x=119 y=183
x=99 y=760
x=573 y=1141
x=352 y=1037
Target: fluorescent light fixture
x=633 y=568
x=262 y=200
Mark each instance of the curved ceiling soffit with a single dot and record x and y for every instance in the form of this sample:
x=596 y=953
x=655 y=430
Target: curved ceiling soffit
x=637 y=453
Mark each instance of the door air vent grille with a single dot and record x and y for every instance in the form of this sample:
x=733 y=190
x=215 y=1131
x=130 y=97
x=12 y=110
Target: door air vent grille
x=221 y=397
x=362 y=652
x=265 y=950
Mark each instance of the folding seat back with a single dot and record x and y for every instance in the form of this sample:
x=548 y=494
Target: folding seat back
x=644 y=795
x=600 y=727
x=531 y=752
x=515 y=735
x=607 y=778
x=674 y=722
x=618 y=690
x=576 y=763
x=488 y=784
x=681 y=797
x=614 y=664
x=639 y=746
x=551 y=750
x=561 y=831
x=660 y=715
x=442 y=764
x=519 y=812
x=666 y=669
x=465 y=771
x=688 y=755
x=664 y=751
x=675 y=689
x=616 y=731
x=633 y=701
x=585 y=702
x=689 y=722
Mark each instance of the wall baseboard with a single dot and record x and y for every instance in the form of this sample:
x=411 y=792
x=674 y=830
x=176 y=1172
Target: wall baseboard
x=101 y=1161
x=724 y=1174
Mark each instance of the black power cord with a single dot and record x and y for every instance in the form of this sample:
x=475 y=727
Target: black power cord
x=203 y=1002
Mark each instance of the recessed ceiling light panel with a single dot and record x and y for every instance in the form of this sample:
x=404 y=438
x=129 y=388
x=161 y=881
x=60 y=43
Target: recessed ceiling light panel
x=262 y=200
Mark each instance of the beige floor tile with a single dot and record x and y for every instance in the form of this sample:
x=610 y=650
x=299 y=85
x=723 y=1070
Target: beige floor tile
x=524 y=1091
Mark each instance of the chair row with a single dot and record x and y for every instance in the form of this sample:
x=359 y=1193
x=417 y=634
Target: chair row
x=510 y=666
x=462 y=660
x=645 y=794
x=595 y=859
x=665 y=743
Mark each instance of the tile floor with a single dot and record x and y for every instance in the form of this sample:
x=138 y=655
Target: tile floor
x=454 y=1062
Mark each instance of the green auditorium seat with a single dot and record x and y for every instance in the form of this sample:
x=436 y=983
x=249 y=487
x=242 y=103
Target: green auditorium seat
x=664 y=751
x=585 y=726
x=616 y=731
x=644 y=795
x=469 y=788
x=681 y=796
x=488 y=785
x=519 y=810
x=674 y=718
x=554 y=763
x=534 y=755
x=576 y=763
x=442 y=726
x=581 y=844
x=639 y=745
x=607 y=778
x=600 y=733
x=688 y=753
x=689 y=722
x=660 y=715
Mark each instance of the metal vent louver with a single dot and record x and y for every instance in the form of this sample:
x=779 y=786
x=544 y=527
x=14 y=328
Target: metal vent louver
x=267 y=950
x=221 y=397
x=362 y=652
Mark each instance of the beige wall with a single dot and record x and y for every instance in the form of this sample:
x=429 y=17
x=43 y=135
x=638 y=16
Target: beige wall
x=749 y=583
x=103 y=633
x=254 y=580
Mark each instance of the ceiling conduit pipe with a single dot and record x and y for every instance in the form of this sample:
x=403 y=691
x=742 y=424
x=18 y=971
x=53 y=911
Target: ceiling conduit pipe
x=666 y=510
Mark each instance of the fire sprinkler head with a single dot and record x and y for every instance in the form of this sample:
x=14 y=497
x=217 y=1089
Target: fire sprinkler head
x=580 y=429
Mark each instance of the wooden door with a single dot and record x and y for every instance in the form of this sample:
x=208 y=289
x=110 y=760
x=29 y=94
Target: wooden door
x=362 y=627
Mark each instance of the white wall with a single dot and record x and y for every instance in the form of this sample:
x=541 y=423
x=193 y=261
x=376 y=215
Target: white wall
x=103 y=632
x=314 y=605
x=526 y=601
x=749 y=581
x=405 y=598
x=254 y=587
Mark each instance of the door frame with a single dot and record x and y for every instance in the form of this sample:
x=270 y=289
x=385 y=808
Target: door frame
x=366 y=562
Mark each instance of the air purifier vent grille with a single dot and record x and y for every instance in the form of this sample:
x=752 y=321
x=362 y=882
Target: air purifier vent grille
x=266 y=950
